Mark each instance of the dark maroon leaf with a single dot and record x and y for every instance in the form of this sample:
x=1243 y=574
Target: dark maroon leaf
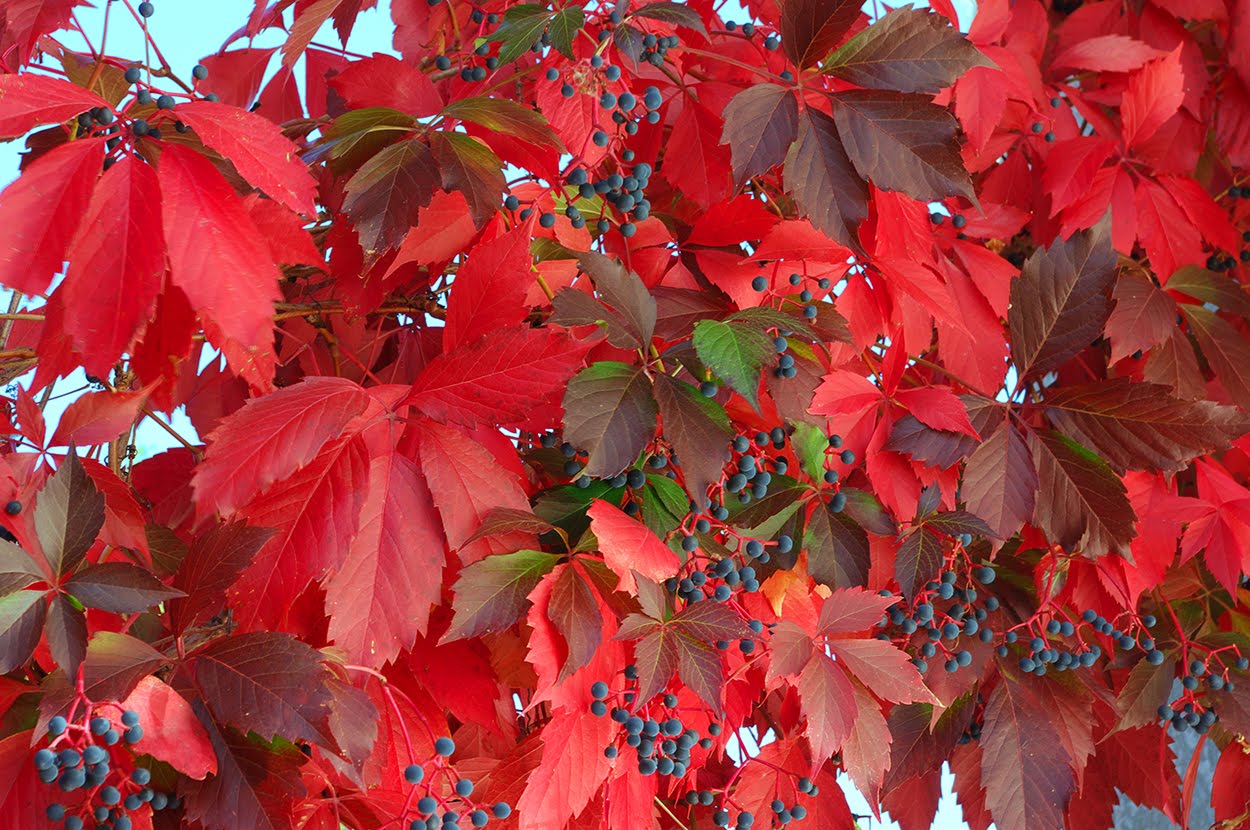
x=1000 y=482
x=17 y=569
x=904 y=142
x=868 y=512
x=574 y=612
x=493 y=593
x=820 y=177
x=469 y=166
x=1143 y=316
x=699 y=667
x=1082 y=503
x=1141 y=426
x=1144 y=691
x=656 y=657
x=265 y=682
x=113 y=667
x=681 y=308
x=760 y=124
x=509 y=520
x=253 y=785
x=1225 y=350
x=916 y=749
x=678 y=14
x=910 y=50
x=708 y=622
x=21 y=622
x=935 y=447
x=837 y=549
x=1024 y=769
x=118 y=587
x=213 y=563
x=918 y=560
x=1210 y=287
x=1061 y=300
x=955 y=522
x=66 y=629
x=353 y=723
x=624 y=292
x=573 y=307
x=384 y=196
x=166 y=550
x=699 y=431
x=628 y=40
x=811 y=28
x=610 y=413
x=68 y=516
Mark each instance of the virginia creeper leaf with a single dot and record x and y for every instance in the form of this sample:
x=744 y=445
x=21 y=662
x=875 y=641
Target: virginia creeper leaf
x=491 y=593
x=698 y=430
x=610 y=413
x=1082 y=503
x=118 y=587
x=760 y=124
x=68 y=516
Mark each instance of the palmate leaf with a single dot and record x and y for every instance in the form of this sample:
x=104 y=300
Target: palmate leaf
x=388 y=191
x=68 y=516
x=811 y=28
x=735 y=351
x=491 y=594
x=521 y=27
x=822 y=179
x=699 y=431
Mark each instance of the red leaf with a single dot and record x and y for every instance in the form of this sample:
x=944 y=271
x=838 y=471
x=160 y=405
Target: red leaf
x=882 y=667
x=124 y=519
x=212 y=564
x=1229 y=796
x=503 y=378
x=27 y=101
x=116 y=265
x=467 y=484
x=866 y=752
x=627 y=546
x=379 y=599
x=490 y=288
x=852 y=610
x=98 y=417
x=572 y=769
x=386 y=81
x=1144 y=316
x=937 y=407
x=316 y=512
x=236 y=76
x=1107 y=53
x=41 y=211
x=175 y=735
x=216 y=254
x=386 y=194
x=1154 y=94
x=257 y=149
x=828 y=702
x=271 y=437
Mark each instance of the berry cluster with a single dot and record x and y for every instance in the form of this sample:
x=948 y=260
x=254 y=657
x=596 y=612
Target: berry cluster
x=433 y=810
x=1191 y=710
x=661 y=746
x=942 y=612
x=79 y=761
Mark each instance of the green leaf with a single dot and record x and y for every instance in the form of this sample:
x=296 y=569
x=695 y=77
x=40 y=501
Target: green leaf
x=1082 y=504
x=610 y=413
x=520 y=29
x=1141 y=426
x=358 y=135
x=469 y=166
x=764 y=518
x=493 y=593
x=699 y=431
x=503 y=116
x=664 y=505
x=69 y=513
x=736 y=352
x=564 y=27
x=909 y=50
x=809 y=445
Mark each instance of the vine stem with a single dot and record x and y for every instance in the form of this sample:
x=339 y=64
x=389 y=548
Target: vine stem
x=15 y=302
